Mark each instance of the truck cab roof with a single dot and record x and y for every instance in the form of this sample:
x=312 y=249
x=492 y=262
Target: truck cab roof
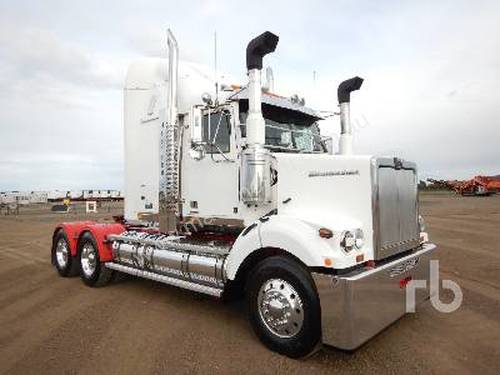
x=274 y=100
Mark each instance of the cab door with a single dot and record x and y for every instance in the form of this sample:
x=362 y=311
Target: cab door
x=209 y=167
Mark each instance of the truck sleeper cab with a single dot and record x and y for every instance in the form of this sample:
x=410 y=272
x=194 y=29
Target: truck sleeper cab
x=238 y=195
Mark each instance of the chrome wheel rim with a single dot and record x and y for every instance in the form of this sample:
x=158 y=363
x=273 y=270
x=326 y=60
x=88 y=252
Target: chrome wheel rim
x=88 y=259
x=280 y=308
x=62 y=253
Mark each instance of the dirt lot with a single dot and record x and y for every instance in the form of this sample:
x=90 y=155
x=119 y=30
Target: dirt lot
x=53 y=325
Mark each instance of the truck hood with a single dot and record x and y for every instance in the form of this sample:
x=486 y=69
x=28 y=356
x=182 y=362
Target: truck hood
x=329 y=191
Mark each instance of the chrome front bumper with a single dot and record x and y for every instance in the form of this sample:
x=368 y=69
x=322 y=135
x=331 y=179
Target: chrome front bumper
x=357 y=306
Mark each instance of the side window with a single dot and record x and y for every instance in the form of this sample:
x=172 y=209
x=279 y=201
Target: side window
x=216 y=132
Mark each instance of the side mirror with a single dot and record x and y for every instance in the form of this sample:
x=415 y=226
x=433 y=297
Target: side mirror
x=197 y=151
x=328 y=142
x=196 y=128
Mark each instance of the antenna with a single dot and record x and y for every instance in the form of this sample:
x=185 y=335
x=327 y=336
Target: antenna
x=215 y=69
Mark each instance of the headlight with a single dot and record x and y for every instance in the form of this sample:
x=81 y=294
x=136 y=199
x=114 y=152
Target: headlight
x=351 y=239
x=421 y=223
x=360 y=239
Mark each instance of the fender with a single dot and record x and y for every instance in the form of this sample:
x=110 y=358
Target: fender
x=301 y=238
x=247 y=242
x=72 y=231
x=295 y=236
x=100 y=233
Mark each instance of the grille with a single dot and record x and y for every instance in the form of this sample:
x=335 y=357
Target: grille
x=395 y=207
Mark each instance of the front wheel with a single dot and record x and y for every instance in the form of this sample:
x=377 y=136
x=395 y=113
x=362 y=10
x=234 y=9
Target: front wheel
x=284 y=307
x=92 y=271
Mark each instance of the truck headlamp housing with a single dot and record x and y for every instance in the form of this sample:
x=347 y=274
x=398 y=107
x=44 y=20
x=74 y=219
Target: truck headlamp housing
x=360 y=239
x=351 y=239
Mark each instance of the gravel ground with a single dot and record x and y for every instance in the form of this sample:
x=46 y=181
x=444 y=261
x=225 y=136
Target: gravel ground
x=53 y=325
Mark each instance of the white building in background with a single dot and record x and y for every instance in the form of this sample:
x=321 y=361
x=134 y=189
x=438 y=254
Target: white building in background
x=102 y=194
x=23 y=197
x=33 y=197
x=56 y=195
x=74 y=194
x=38 y=197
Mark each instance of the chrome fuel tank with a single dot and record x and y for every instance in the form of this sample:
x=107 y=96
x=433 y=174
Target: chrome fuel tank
x=164 y=256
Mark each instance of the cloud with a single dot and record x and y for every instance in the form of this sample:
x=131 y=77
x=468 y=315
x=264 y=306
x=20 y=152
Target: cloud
x=59 y=105
x=430 y=93
x=65 y=173
x=40 y=55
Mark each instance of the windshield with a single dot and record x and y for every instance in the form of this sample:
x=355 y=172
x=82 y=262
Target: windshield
x=288 y=131
x=292 y=137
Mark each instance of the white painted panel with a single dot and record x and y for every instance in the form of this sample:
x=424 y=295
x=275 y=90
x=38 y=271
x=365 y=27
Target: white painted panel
x=332 y=191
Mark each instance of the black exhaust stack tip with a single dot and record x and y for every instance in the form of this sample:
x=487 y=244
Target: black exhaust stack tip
x=259 y=47
x=346 y=87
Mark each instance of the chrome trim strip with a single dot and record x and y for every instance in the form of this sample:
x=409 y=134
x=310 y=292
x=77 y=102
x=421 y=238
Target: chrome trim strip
x=375 y=206
x=215 y=292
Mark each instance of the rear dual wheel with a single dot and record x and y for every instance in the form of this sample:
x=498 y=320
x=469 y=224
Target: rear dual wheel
x=87 y=262
x=65 y=264
x=92 y=271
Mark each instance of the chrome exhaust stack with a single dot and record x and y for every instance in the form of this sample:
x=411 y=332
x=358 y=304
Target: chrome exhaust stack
x=169 y=146
x=256 y=50
x=344 y=97
x=255 y=168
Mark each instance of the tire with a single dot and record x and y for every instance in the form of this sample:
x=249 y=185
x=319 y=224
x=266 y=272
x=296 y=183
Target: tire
x=65 y=264
x=92 y=271
x=276 y=287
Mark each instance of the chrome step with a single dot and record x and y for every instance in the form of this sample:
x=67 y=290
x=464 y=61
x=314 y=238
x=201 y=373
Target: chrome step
x=184 y=284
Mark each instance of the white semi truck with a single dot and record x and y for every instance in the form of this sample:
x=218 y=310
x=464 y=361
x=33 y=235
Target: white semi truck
x=235 y=194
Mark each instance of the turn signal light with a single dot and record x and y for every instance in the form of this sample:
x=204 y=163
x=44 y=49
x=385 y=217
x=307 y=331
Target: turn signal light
x=370 y=264
x=404 y=282
x=325 y=233
x=360 y=258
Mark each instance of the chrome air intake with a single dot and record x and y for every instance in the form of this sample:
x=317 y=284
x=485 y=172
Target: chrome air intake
x=255 y=175
x=255 y=164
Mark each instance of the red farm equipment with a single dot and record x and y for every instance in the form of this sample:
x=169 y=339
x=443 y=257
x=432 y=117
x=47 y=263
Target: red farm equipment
x=479 y=185
x=476 y=186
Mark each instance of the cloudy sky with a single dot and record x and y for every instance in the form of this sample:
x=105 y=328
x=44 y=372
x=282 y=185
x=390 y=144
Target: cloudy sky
x=431 y=69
